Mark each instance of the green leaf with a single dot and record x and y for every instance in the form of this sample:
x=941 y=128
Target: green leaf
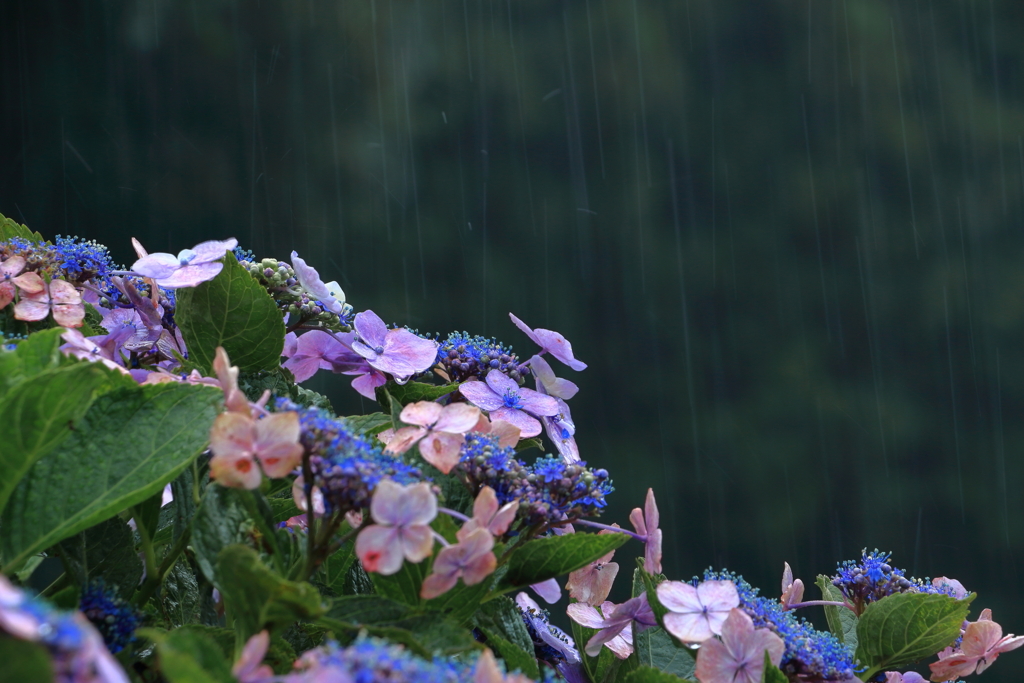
x=363 y=610
x=256 y=598
x=179 y=595
x=10 y=228
x=772 y=673
x=220 y=521
x=656 y=648
x=600 y=667
x=374 y=423
x=527 y=444
x=106 y=550
x=502 y=616
x=189 y=656
x=280 y=654
x=234 y=311
x=423 y=634
x=646 y=674
x=404 y=585
x=101 y=470
x=39 y=413
x=516 y=658
x=546 y=558
x=333 y=573
x=410 y=392
x=842 y=622
x=24 y=662
x=41 y=351
x=905 y=627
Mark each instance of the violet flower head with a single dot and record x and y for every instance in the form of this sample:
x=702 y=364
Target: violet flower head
x=189 y=268
x=505 y=400
x=696 y=614
x=613 y=623
x=402 y=529
x=739 y=656
x=398 y=352
x=330 y=295
x=646 y=524
x=551 y=342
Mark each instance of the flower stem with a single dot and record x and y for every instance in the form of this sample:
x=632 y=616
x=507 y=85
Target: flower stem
x=156 y=578
x=454 y=513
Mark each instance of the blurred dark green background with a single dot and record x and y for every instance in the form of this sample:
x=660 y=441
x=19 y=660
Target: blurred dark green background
x=786 y=235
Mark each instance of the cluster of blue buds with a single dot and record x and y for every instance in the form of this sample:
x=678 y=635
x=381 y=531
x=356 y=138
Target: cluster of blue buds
x=871 y=579
x=370 y=660
x=113 y=617
x=72 y=259
x=466 y=357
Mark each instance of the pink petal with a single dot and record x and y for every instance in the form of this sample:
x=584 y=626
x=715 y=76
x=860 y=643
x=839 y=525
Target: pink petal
x=457 y=418
x=252 y=654
x=441 y=450
x=304 y=367
x=405 y=354
x=437 y=584
x=504 y=518
x=6 y=293
x=636 y=518
x=953 y=667
x=552 y=342
x=158 y=265
x=235 y=470
x=480 y=394
x=378 y=549
x=593 y=583
x=232 y=434
x=404 y=438
x=417 y=542
x=370 y=328
x=480 y=568
x=139 y=249
x=366 y=384
x=715 y=664
x=422 y=413
x=277 y=443
x=12 y=266
x=69 y=315
x=501 y=384
x=585 y=615
x=487 y=669
x=528 y=426
x=689 y=627
x=508 y=434
x=64 y=292
x=651 y=511
x=234 y=400
x=403 y=505
x=291 y=345
x=719 y=596
x=485 y=505
x=980 y=636
x=30 y=310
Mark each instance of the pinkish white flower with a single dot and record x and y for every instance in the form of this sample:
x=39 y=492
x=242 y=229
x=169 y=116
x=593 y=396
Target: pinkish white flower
x=39 y=298
x=9 y=269
x=470 y=559
x=739 y=656
x=792 y=590
x=439 y=430
x=982 y=643
x=697 y=613
x=402 y=516
x=238 y=440
x=487 y=514
x=189 y=268
x=591 y=584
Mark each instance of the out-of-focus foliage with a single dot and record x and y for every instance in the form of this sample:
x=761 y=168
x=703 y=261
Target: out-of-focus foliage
x=786 y=234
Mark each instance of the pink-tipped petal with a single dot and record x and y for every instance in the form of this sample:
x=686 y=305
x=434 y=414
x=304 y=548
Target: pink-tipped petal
x=422 y=413
x=379 y=549
x=417 y=542
x=441 y=449
x=404 y=439
x=457 y=418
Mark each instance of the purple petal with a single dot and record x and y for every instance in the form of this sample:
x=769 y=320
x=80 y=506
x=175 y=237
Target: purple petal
x=157 y=265
x=212 y=250
x=365 y=384
x=406 y=353
x=364 y=351
x=481 y=395
x=548 y=383
x=501 y=384
x=310 y=281
x=291 y=344
x=548 y=590
x=559 y=347
x=528 y=426
x=303 y=367
x=371 y=329
x=537 y=403
x=190 y=276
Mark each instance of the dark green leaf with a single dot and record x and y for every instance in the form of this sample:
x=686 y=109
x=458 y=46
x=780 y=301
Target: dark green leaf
x=220 y=521
x=527 y=444
x=100 y=470
x=410 y=392
x=24 y=662
x=516 y=658
x=546 y=558
x=10 y=228
x=656 y=648
x=184 y=505
x=404 y=585
x=41 y=351
x=842 y=622
x=503 y=617
x=646 y=674
x=179 y=595
x=374 y=423
x=280 y=654
x=360 y=610
x=190 y=656
x=772 y=673
x=106 y=550
x=905 y=627
x=234 y=311
x=256 y=598
x=461 y=602
x=307 y=398
x=333 y=573
x=39 y=413
x=147 y=513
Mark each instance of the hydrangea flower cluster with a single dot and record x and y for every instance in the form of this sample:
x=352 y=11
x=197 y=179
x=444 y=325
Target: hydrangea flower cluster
x=810 y=654
x=75 y=260
x=77 y=652
x=346 y=466
x=550 y=491
x=464 y=357
x=115 y=618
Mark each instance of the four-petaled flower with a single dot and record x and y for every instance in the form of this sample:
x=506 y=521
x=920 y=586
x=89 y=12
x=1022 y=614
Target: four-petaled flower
x=646 y=524
x=591 y=584
x=487 y=514
x=440 y=431
x=319 y=350
x=696 y=614
x=551 y=342
x=402 y=530
x=471 y=559
x=330 y=295
x=398 y=352
x=739 y=656
x=505 y=400
x=237 y=441
x=982 y=643
x=9 y=269
x=613 y=622
x=38 y=298
x=189 y=268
